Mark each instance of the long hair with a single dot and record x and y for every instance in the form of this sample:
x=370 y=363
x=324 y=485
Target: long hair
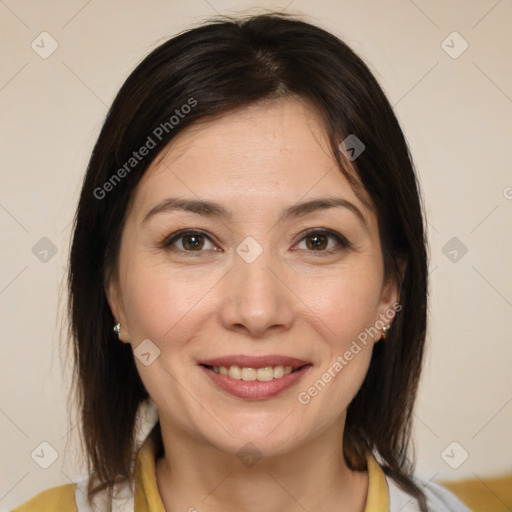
x=213 y=69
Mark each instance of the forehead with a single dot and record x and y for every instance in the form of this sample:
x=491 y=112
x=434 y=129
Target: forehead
x=274 y=150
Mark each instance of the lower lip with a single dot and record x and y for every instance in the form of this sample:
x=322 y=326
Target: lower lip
x=255 y=389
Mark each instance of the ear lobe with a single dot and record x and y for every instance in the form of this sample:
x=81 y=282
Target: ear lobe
x=390 y=297
x=115 y=303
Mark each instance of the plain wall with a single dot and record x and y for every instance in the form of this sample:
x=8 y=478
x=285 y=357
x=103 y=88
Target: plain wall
x=456 y=114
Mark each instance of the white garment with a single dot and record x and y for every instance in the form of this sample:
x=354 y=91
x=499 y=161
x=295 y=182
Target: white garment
x=439 y=499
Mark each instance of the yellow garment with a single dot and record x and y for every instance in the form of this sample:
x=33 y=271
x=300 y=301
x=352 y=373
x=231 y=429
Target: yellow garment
x=56 y=499
x=147 y=497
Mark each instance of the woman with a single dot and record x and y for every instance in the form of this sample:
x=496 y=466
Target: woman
x=249 y=256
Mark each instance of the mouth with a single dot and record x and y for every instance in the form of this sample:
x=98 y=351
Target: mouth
x=248 y=374
x=251 y=378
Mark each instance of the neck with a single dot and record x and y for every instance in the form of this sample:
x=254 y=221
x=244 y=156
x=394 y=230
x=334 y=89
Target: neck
x=193 y=475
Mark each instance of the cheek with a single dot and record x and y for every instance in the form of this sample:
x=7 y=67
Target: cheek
x=345 y=303
x=159 y=300
x=163 y=306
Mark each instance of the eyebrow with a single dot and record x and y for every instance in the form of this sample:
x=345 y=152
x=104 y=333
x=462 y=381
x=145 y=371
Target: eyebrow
x=212 y=209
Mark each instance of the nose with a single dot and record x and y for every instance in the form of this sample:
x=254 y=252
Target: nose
x=256 y=299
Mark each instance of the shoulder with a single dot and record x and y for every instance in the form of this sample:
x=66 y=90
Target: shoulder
x=55 y=499
x=439 y=499
x=73 y=498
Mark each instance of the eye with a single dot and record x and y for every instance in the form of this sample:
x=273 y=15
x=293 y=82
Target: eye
x=191 y=240
x=197 y=241
x=323 y=240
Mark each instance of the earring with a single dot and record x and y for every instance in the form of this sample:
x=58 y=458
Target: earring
x=117 y=329
x=385 y=330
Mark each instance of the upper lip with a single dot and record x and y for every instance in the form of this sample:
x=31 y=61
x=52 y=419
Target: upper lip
x=246 y=361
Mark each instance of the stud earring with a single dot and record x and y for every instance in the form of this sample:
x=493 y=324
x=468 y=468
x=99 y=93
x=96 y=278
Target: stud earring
x=385 y=330
x=117 y=329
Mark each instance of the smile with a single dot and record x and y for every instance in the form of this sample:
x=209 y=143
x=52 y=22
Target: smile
x=264 y=374
x=255 y=383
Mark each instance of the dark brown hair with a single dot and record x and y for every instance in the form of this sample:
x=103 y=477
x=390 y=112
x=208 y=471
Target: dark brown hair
x=220 y=66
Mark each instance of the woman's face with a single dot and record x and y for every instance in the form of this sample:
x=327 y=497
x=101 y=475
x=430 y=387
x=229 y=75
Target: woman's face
x=255 y=267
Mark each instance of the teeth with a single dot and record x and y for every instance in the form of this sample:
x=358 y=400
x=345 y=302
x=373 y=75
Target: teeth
x=234 y=372
x=262 y=374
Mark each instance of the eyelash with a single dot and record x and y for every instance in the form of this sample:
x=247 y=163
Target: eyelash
x=342 y=242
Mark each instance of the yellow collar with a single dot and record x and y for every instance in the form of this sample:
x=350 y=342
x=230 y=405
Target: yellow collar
x=147 y=497
x=378 y=498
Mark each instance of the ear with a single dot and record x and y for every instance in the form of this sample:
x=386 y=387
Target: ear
x=390 y=297
x=115 y=302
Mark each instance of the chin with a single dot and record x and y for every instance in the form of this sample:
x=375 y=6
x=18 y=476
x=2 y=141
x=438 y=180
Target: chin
x=268 y=438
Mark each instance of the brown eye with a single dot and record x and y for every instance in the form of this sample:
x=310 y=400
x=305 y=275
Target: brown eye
x=317 y=242
x=192 y=242
x=188 y=242
x=323 y=241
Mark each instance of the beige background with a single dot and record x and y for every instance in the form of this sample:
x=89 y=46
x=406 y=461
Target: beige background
x=457 y=116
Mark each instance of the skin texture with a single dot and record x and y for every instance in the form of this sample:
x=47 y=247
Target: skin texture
x=292 y=300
